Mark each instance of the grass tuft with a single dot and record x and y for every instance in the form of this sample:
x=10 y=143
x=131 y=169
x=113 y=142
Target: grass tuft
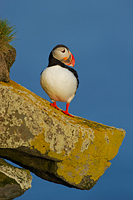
x=7 y=35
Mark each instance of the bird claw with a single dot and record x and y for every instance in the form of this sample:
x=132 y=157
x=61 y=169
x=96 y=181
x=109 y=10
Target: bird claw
x=54 y=105
x=66 y=113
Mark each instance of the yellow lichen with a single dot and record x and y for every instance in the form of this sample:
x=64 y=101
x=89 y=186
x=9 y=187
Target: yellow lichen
x=93 y=161
x=40 y=144
x=84 y=148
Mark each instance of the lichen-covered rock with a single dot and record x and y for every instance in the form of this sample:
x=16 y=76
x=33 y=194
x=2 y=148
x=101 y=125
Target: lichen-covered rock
x=70 y=151
x=13 y=181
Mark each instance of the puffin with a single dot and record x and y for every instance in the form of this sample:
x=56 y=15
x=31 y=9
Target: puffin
x=59 y=80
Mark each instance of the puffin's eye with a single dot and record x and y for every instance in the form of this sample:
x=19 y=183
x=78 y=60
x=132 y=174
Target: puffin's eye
x=63 y=51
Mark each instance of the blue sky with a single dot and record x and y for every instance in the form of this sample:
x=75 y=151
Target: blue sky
x=100 y=36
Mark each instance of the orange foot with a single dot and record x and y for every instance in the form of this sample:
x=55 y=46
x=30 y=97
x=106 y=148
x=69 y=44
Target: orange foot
x=54 y=105
x=66 y=111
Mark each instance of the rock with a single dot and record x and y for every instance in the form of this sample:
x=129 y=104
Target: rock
x=71 y=151
x=13 y=181
x=6 y=61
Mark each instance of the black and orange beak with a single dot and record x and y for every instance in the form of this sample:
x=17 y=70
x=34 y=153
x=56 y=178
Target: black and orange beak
x=69 y=60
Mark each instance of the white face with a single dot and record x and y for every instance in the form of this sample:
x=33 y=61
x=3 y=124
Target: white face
x=61 y=53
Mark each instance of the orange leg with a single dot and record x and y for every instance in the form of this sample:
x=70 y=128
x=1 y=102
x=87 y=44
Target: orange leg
x=66 y=111
x=54 y=105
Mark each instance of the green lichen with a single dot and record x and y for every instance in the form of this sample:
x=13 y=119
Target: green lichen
x=4 y=180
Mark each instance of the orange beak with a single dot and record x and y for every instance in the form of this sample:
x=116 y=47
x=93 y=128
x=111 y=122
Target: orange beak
x=72 y=61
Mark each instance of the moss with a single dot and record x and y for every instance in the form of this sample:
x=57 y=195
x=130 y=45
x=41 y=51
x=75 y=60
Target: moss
x=5 y=180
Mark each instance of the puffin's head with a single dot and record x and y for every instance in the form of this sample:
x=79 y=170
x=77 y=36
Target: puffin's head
x=63 y=54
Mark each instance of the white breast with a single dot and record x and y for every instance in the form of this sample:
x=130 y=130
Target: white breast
x=59 y=83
